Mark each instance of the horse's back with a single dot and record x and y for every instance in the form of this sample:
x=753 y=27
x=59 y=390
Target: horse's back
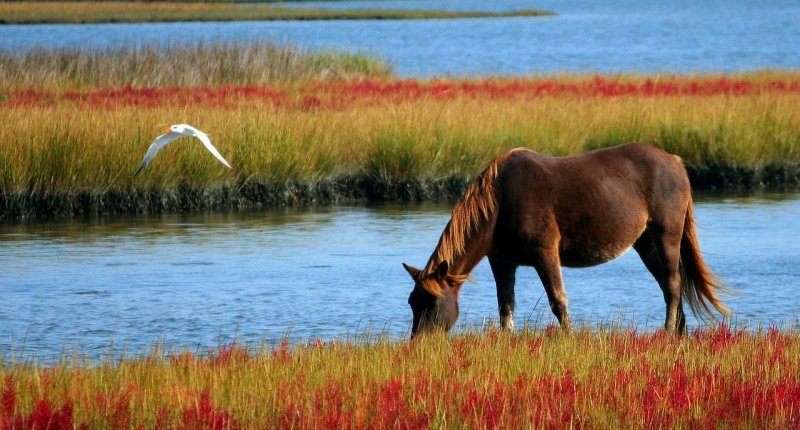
x=635 y=170
x=592 y=206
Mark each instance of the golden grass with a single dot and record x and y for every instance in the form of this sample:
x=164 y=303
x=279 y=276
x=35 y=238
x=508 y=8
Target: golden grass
x=61 y=147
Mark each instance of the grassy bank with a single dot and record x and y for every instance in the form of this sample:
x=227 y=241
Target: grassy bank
x=109 y=12
x=73 y=152
x=77 y=124
x=720 y=378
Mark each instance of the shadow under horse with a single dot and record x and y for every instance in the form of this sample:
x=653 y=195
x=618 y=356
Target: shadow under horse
x=529 y=209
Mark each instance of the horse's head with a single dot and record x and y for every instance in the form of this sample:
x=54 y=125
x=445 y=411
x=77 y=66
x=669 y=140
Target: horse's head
x=434 y=299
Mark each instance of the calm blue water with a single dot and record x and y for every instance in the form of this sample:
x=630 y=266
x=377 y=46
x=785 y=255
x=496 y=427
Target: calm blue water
x=587 y=36
x=194 y=281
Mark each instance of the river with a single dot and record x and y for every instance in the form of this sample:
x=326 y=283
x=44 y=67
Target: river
x=102 y=286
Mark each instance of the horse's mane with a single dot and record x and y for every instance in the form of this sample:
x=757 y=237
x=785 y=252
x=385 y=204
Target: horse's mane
x=473 y=208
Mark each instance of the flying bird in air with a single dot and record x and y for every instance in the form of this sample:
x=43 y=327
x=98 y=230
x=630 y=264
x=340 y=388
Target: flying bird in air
x=174 y=132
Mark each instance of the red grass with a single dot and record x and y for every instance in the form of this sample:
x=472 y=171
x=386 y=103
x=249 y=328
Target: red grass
x=205 y=416
x=115 y=407
x=228 y=355
x=635 y=389
x=8 y=402
x=283 y=353
x=335 y=95
x=44 y=416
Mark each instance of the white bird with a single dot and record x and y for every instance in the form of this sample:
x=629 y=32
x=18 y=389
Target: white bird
x=174 y=132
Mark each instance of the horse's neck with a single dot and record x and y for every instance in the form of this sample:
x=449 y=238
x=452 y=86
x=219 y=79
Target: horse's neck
x=463 y=253
x=467 y=237
x=467 y=261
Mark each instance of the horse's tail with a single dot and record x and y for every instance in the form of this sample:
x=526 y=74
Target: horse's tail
x=699 y=284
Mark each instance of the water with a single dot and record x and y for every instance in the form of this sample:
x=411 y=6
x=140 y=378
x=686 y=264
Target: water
x=102 y=286
x=112 y=284
x=648 y=36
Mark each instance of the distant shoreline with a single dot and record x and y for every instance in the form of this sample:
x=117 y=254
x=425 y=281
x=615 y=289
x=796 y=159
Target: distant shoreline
x=137 y=12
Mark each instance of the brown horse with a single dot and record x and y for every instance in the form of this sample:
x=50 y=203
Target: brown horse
x=528 y=209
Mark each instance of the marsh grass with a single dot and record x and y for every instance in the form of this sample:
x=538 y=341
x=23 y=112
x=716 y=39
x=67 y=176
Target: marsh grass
x=537 y=377
x=71 y=151
x=180 y=65
x=62 y=147
x=166 y=11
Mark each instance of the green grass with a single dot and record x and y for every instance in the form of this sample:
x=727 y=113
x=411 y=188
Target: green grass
x=109 y=12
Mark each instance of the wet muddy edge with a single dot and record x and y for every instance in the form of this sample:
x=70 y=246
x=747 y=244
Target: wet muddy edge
x=187 y=198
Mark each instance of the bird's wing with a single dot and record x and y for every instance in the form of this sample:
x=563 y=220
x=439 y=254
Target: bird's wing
x=157 y=144
x=207 y=143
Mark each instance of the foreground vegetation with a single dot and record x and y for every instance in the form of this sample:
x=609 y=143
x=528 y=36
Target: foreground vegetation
x=76 y=124
x=719 y=378
x=36 y=12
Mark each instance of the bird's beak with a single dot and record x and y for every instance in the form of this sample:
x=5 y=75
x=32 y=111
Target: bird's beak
x=169 y=130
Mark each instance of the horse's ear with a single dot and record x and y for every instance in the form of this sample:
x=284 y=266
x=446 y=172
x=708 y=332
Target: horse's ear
x=441 y=271
x=413 y=271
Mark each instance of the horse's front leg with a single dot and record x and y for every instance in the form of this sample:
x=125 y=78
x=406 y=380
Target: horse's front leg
x=505 y=277
x=548 y=266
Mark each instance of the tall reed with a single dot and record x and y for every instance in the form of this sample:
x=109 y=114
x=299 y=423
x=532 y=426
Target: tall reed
x=180 y=65
x=62 y=146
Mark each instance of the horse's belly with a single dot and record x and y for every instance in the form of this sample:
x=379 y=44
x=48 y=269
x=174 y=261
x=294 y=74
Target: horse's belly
x=585 y=256
x=593 y=237
x=583 y=249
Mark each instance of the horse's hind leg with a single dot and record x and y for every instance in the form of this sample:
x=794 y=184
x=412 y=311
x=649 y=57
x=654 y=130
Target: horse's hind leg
x=661 y=255
x=548 y=267
x=505 y=277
